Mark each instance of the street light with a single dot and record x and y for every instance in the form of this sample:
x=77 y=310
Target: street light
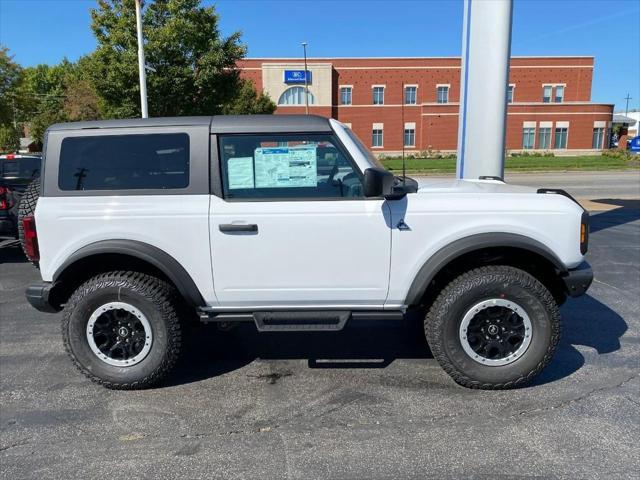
x=141 y=65
x=306 y=84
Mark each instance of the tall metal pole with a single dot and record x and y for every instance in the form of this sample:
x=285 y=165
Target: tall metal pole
x=306 y=83
x=142 y=73
x=484 y=79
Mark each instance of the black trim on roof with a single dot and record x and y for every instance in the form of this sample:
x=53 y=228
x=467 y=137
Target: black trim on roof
x=217 y=123
x=269 y=124
x=134 y=122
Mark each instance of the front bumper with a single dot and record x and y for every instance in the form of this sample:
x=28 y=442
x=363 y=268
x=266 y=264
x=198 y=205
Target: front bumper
x=578 y=280
x=39 y=296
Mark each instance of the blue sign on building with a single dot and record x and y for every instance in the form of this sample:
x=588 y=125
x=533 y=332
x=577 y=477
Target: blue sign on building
x=297 y=76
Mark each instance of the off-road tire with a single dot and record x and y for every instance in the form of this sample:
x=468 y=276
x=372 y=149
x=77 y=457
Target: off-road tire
x=26 y=207
x=155 y=298
x=443 y=321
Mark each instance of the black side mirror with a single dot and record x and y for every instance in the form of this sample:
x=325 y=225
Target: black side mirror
x=378 y=182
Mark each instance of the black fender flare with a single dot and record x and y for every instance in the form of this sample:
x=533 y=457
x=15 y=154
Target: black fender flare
x=450 y=252
x=147 y=253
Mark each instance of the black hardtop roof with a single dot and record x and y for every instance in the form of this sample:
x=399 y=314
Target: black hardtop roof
x=217 y=123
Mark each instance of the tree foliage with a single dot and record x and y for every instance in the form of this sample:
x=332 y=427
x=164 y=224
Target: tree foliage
x=193 y=67
x=10 y=76
x=9 y=138
x=193 y=71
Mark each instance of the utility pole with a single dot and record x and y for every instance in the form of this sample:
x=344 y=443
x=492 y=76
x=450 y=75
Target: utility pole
x=626 y=109
x=306 y=80
x=142 y=73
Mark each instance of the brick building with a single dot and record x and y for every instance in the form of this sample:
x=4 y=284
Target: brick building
x=550 y=104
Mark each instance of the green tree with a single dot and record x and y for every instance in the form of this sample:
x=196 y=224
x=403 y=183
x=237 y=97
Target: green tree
x=9 y=138
x=194 y=66
x=247 y=100
x=10 y=76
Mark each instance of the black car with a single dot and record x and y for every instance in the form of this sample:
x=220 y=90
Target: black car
x=16 y=173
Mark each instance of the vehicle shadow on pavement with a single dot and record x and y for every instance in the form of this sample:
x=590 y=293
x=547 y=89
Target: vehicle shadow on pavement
x=12 y=254
x=209 y=352
x=587 y=322
x=628 y=211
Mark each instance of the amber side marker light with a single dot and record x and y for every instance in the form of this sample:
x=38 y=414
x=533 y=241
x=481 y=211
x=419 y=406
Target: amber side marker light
x=584 y=233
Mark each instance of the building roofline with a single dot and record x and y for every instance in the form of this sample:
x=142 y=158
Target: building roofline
x=410 y=58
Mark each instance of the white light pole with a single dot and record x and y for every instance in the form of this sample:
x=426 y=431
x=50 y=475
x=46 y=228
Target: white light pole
x=306 y=83
x=142 y=73
x=486 y=48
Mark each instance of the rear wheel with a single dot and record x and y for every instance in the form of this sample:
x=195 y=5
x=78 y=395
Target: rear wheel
x=122 y=330
x=493 y=327
x=27 y=207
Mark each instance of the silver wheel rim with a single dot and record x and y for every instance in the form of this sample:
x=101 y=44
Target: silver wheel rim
x=493 y=330
x=134 y=325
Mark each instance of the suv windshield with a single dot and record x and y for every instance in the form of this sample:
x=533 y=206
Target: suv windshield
x=364 y=150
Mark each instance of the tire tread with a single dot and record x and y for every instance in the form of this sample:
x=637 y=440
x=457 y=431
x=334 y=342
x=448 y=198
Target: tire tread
x=158 y=291
x=439 y=311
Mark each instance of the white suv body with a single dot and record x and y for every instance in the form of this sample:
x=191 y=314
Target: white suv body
x=291 y=214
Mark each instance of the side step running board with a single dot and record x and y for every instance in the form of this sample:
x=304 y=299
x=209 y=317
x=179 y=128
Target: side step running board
x=296 y=321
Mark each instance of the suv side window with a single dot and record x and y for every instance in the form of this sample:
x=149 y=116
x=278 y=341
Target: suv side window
x=124 y=162
x=290 y=166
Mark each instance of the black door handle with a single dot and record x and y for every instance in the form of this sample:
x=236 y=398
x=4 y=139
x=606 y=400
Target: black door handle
x=238 y=227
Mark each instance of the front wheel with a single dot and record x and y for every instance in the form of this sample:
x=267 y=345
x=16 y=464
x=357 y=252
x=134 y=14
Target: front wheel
x=122 y=329
x=494 y=327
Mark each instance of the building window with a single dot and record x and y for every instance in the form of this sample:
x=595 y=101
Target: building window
x=510 y=94
x=377 y=139
x=528 y=137
x=546 y=93
x=544 y=138
x=345 y=95
x=598 y=138
x=559 y=94
x=561 y=137
x=378 y=95
x=410 y=134
x=443 y=94
x=411 y=95
x=294 y=96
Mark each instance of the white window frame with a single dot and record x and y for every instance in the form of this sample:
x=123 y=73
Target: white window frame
x=438 y=87
x=373 y=89
x=350 y=87
x=553 y=87
x=561 y=125
x=409 y=126
x=404 y=94
x=529 y=126
x=511 y=86
x=549 y=126
x=377 y=127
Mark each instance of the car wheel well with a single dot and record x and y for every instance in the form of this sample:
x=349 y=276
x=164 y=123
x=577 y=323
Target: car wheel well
x=88 y=267
x=533 y=263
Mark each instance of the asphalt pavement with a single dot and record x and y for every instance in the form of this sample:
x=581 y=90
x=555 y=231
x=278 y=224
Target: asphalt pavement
x=366 y=403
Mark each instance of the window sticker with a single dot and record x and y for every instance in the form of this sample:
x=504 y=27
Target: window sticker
x=286 y=167
x=240 y=172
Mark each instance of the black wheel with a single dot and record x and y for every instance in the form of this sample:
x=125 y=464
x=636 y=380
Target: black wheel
x=27 y=206
x=122 y=329
x=493 y=327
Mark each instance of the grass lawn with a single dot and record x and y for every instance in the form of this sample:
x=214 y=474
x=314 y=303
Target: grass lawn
x=518 y=164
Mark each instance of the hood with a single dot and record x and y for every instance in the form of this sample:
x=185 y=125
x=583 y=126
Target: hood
x=453 y=185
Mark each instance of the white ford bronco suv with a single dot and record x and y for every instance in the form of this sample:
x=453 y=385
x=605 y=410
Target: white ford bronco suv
x=289 y=222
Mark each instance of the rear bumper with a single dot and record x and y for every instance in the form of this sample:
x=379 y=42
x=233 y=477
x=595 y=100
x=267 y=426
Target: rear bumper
x=578 y=280
x=39 y=296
